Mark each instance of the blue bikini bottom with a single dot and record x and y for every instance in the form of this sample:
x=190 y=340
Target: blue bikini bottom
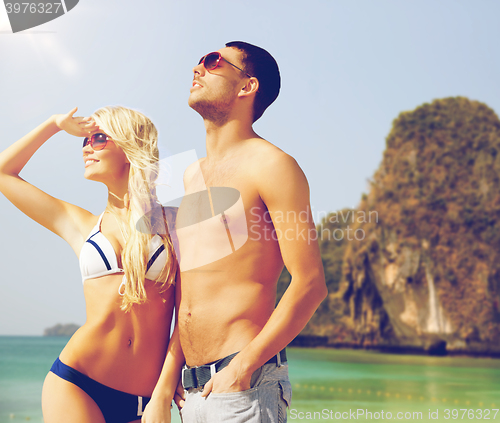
x=116 y=406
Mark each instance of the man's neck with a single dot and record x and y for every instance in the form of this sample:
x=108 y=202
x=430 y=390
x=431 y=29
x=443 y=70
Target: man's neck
x=222 y=140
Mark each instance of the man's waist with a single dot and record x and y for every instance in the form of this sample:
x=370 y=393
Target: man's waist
x=198 y=376
x=202 y=343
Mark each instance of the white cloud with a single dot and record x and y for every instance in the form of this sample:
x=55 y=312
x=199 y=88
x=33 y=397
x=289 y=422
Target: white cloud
x=51 y=49
x=69 y=66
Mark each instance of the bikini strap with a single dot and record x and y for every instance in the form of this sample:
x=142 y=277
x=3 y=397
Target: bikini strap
x=123 y=284
x=96 y=228
x=100 y=220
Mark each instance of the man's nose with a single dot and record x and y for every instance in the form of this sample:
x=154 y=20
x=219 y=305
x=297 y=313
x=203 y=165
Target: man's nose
x=199 y=69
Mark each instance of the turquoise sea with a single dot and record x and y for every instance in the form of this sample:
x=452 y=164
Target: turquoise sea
x=327 y=384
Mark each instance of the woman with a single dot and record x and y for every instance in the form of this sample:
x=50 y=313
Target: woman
x=108 y=369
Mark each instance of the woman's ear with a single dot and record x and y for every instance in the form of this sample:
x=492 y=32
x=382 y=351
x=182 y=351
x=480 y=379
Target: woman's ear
x=250 y=88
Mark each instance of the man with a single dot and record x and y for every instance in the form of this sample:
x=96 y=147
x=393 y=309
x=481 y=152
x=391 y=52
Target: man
x=227 y=301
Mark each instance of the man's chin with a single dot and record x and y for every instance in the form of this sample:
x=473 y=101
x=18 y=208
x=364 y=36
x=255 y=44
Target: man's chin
x=209 y=110
x=198 y=105
x=191 y=101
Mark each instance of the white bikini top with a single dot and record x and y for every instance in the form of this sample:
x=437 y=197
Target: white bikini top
x=98 y=258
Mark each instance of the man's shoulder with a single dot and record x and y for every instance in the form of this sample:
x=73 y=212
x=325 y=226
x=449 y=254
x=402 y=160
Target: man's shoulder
x=273 y=169
x=192 y=169
x=195 y=165
x=268 y=156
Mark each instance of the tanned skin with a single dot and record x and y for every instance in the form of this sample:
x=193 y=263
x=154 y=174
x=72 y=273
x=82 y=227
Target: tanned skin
x=228 y=305
x=125 y=351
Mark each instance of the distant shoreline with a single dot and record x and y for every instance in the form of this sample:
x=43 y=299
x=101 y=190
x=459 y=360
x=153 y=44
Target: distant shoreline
x=312 y=341
x=66 y=329
x=35 y=336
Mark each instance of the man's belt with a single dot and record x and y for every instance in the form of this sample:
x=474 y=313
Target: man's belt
x=197 y=377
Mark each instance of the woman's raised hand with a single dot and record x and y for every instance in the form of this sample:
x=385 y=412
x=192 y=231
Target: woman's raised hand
x=62 y=218
x=77 y=126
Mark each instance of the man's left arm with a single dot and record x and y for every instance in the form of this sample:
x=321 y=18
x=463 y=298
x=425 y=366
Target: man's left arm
x=284 y=189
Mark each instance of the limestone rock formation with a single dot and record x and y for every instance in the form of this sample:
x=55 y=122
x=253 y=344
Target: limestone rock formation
x=416 y=267
x=61 y=330
x=427 y=273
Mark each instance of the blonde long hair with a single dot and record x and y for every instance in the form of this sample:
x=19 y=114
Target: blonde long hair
x=137 y=136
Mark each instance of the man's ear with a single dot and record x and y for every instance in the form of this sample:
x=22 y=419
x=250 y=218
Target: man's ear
x=250 y=88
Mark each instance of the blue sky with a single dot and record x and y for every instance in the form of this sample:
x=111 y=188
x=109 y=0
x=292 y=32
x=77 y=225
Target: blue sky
x=348 y=69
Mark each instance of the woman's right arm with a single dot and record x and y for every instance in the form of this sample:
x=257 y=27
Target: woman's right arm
x=168 y=387
x=64 y=219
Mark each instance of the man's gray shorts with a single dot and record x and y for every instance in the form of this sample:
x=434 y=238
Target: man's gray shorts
x=265 y=402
